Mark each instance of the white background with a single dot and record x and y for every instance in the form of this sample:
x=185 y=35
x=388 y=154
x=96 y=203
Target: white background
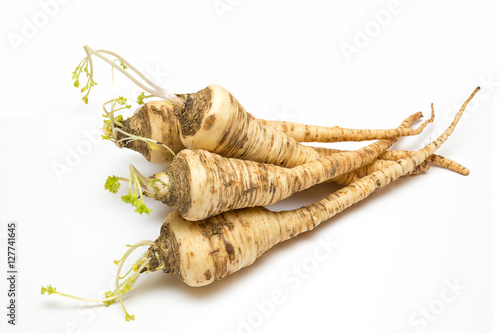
x=282 y=60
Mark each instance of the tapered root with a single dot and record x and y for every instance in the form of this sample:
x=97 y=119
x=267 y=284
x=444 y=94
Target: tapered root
x=443 y=162
x=350 y=177
x=310 y=133
x=394 y=155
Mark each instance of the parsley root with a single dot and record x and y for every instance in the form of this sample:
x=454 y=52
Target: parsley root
x=167 y=133
x=201 y=252
x=200 y=184
x=210 y=119
x=438 y=160
x=315 y=133
x=394 y=155
x=156 y=120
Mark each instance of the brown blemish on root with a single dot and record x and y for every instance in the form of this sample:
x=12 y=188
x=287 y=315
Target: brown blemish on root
x=209 y=122
x=230 y=250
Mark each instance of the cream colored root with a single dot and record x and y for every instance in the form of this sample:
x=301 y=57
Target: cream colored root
x=445 y=163
x=205 y=251
x=313 y=133
x=441 y=161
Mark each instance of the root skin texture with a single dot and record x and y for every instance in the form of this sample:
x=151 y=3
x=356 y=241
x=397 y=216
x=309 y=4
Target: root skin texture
x=394 y=155
x=314 y=133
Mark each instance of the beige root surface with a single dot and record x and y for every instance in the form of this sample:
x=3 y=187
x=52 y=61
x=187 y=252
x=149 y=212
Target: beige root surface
x=315 y=133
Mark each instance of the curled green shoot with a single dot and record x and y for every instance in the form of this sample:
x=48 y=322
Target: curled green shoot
x=84 y=66
x=113 y=183
x=129 y=279
x=138 y=185
x=128 y=138
x=111 y=121
x=121 y=65
x=142 y=97
x=135 y=198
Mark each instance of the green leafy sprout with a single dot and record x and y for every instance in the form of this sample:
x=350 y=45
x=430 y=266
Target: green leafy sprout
x=85 y=66
x=142 y=97
x=128 y=138
x=112 y=184
x=138 y=186
x=113 y=124
x=49 y=290
x=117 y=62
x=129 y=279
x=110 y=121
